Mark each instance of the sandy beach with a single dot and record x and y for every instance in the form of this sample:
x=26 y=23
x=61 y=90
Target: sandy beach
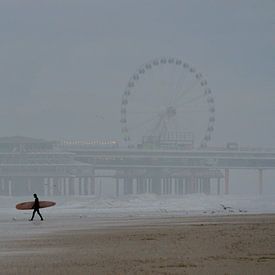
x=237 y=244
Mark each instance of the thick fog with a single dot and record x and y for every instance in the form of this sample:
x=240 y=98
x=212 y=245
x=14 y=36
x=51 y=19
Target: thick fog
x=64 y=66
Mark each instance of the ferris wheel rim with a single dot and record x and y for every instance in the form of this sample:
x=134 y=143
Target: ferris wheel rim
x=146 y=67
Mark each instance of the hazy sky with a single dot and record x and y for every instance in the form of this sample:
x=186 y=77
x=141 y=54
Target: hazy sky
x=65 y=64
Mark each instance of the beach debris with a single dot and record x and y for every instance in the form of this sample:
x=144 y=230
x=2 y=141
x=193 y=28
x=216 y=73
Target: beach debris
x=225 y=207
x=163 y=210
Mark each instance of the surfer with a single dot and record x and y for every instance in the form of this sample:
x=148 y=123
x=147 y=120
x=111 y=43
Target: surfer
x=36 y=208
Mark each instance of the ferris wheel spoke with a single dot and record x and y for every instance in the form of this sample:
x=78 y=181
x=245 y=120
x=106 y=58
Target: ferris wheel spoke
x=185 y=91
x=141 y=124
x=175 y=124
x=178 y=88
x=190 y=101
x=184 y=111
x=141 y=113
x=195 y=105
x=175 y=80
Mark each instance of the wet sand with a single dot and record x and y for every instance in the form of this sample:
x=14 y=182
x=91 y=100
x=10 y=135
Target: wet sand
x=200 y=245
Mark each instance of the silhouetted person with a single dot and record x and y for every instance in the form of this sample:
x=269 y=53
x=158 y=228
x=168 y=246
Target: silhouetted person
x=36 y=208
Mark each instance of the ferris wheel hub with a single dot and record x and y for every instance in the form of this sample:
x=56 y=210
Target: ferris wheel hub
x=171 y=112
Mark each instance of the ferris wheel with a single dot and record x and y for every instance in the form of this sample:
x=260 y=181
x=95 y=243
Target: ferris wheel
x=167 y=98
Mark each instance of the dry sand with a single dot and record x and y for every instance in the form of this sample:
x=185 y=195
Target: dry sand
x=199 y=245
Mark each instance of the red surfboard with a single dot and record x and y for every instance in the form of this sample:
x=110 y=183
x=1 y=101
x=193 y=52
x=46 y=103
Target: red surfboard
x=28 y=205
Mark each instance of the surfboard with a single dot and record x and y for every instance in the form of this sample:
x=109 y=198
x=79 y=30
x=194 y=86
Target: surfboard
x=28 y=205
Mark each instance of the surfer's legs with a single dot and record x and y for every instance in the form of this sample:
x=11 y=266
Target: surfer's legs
x=38 y=212
x=33 y=213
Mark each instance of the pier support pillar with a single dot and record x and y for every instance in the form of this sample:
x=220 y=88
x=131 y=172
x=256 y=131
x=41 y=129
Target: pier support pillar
x=156 y=184
x=51 y=186
x=3 y=186
x=62 y=186
x=67 y=186
x=148 y=185
x=82 y=184
x=226 y=181
x=128 y=186
x=76 y=186
x=117 y=187
x=260 y=181
x=218 y=186
x=10 y=187
x=46 y=187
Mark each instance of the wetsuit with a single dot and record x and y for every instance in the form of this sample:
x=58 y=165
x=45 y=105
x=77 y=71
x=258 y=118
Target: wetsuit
x=36 y=209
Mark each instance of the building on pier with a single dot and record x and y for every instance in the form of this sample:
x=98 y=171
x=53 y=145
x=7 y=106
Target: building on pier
x=29 y=165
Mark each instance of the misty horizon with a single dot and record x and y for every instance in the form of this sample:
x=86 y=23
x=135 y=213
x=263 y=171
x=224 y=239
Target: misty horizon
x=64 y=66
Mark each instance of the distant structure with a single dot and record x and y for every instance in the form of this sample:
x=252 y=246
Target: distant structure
x=167 y=104
x=74 y=168
x=29 y=165
x=167 y=122
x=173 y=171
